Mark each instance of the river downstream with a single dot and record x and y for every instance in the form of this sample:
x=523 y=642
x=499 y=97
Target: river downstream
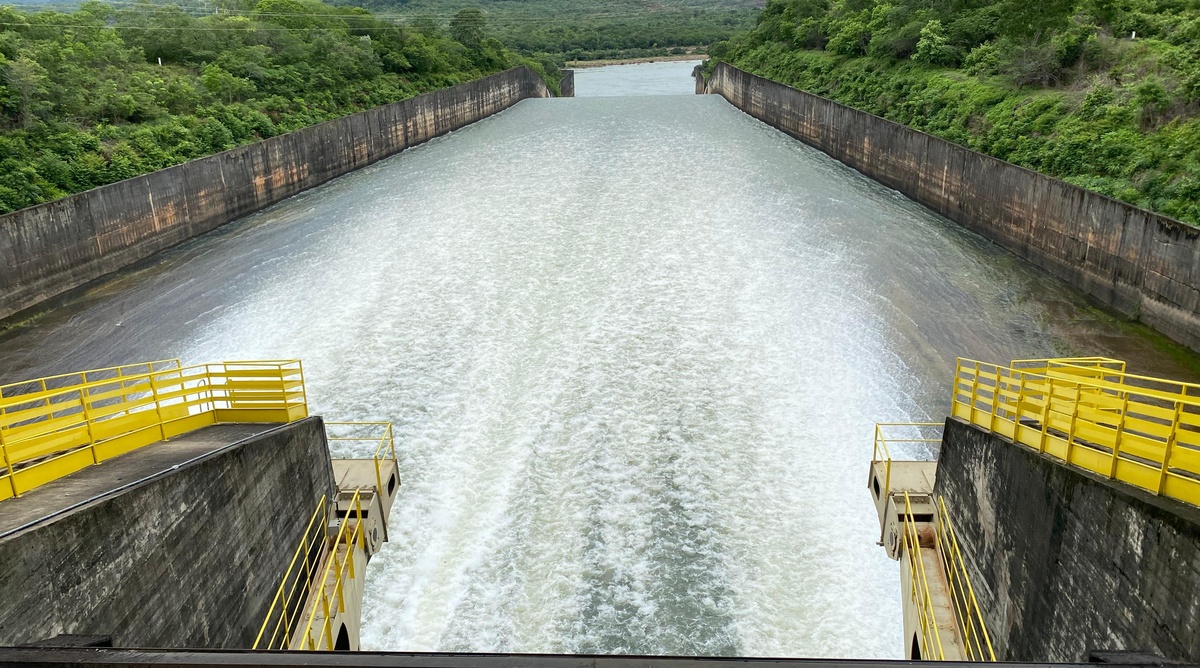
x=633 y=347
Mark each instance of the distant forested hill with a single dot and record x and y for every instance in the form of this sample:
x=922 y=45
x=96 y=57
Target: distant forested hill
x=1102 y=93
x=113 y=90
x=588 y=29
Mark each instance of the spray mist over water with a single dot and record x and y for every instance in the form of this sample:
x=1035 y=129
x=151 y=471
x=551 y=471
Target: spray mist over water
x=633 y=349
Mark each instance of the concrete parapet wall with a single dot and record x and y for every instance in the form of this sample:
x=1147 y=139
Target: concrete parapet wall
x=48 y=249
x=1140 y=263
x=1064 y=562
x=192 y=558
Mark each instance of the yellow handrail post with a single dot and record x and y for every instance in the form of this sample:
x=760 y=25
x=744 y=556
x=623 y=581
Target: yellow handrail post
x=1116 y=453
x=12 y=478
x=1166 y=462
x=1047 y=397
x=87 y=419
x=303 y=387
x=1020 y=402
x=995 y=401
x=378 y=473
x=162 y=427
x=887 y=479
x=954 y=386
x=974 y=392
x=1074 y=419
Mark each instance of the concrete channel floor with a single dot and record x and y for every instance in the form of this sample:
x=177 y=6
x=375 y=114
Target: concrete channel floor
x=62 y=495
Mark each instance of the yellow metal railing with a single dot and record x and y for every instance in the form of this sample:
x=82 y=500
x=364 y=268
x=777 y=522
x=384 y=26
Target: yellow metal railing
x=319 y=572
x=900 y=433
x=377 y=433
x=52 y=427
x=1140 y=430
x=302 y=581
x=321 y=568
x=286 y=608
x=330 y=598
x=971 y=627
x=968 y=617
x=919 y=590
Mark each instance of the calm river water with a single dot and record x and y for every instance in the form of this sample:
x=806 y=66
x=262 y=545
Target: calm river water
x=634 y=348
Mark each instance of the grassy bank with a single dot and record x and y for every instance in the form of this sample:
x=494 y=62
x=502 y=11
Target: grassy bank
x=1117 y=115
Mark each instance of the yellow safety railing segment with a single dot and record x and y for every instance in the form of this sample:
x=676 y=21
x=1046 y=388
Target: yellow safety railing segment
x=1140 y=430
x=900 y=433
x=324 y=562
x=1084 y=366
x=968 y=617
x=339 y=569
x=972 y=629
x=919 y=589
x=52 y=427
x=378 y=434
x=287 y=607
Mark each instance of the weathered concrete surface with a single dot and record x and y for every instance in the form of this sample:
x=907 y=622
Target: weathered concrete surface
x=1140 y=263
x=130 y=468
x=48 y=249
x=566 y=87
x=1064 y=562
x=189 y=558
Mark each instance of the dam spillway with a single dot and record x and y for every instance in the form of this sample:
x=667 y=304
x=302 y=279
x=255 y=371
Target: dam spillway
x=623 y=342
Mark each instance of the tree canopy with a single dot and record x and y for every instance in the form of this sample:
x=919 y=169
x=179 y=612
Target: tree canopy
x=111 y=91
x=1102 y=93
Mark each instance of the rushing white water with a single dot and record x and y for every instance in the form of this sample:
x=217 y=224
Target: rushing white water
x=633 y=349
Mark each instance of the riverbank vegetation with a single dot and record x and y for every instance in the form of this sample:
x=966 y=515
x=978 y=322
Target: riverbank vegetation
x=111 y=91
x=1104 y=94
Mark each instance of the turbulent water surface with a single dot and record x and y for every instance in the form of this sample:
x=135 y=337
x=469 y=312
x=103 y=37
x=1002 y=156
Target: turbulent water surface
x=633 y=347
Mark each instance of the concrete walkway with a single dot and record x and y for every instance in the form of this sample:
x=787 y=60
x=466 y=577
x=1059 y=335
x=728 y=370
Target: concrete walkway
x=65 y=494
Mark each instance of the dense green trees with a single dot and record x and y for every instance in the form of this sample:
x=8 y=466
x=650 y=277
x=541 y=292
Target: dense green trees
x=1060 y=86
x=587 y=29
x=84 y=100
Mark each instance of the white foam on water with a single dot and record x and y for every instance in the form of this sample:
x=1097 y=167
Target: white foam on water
x=633 y=382
x=634 y=350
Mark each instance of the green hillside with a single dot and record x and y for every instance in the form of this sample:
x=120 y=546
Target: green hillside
x=115 y=90
x=1102 y=93
x=586 y=29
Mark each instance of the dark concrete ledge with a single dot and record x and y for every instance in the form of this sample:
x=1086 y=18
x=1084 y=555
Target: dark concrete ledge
x=189 y=555
x=96 y=483
x=141 y=658
x=1064 y=561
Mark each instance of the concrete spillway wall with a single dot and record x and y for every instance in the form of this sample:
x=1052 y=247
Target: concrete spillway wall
x=1140 y=263
x=48 y=249
x=1064 y=562
x=191 y=558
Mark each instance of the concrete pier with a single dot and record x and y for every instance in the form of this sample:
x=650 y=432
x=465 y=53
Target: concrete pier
x=177 y=544
x=1065 y=562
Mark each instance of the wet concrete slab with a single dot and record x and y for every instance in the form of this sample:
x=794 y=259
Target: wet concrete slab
x=60 y=497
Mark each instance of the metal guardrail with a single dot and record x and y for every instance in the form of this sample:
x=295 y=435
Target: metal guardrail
x=54 y=426
x=968 y=617
x=919 y=590
x=286 y=608
x=302 y=582
x=971 y=626
x=339 y=569
x=1090 y=413
x=315 y=582
x=900 y=433
x=385 y=443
